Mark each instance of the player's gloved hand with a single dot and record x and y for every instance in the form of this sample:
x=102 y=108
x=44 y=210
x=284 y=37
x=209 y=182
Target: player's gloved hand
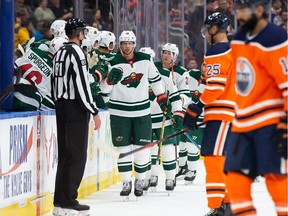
x=114 y=76
x=178 y=117
x=282 y=137
x=100 y=70
x=162 y=100
x=192 y=114
x=100 y=102
x=92 y=59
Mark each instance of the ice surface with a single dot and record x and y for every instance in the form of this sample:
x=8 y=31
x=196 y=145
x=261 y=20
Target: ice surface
x=184 y=200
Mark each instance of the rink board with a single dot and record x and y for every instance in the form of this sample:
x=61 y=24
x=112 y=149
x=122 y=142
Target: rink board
x=28 y=162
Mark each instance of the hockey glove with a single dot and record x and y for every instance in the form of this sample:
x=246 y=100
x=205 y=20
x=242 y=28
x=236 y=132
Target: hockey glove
x=100 y=102
x=178 y=117
x=282 y=137
x=92 y=59
x=162 y=100
x=114 y=76
x=192 y=114
x=100 y=70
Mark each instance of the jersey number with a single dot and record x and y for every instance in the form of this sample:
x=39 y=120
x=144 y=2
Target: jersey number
x=34 y=77
x=213 y=69
x=58 y=72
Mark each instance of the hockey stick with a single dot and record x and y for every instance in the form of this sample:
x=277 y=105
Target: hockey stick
x=192 y=141
x=11 y=88
x=103 y=146
x=122 y=155
x=5 y=94
x=188 y=136
x=163 y=128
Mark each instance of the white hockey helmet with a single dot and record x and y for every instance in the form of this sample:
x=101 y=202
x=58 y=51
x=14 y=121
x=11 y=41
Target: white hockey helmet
x=92 y=34
x=90 y=31
x=148 y=50
x=107 y=39
x=56 y=43
x=127 y=36
x=57 y=28
x=95 y=39
x=173 y=48
x=86 y=45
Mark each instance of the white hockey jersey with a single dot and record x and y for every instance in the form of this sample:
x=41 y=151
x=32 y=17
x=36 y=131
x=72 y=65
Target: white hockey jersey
x=180 y=77
x=130 y=96
x=174 y=98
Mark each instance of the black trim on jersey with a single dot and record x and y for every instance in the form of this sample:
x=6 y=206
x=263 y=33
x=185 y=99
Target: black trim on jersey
x=245 y=211
x=215 y=106
x=259 y=112
x=217 y=83
x=216 y=189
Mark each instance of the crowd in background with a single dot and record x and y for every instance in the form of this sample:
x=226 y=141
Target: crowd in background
x=34 y=17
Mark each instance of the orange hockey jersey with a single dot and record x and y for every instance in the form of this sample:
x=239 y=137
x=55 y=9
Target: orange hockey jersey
x=261 y=78
x=219 y=93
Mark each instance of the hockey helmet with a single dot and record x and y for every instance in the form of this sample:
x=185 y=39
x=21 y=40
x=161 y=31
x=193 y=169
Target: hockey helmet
x=173 y=49
x=219 y=19
x=90 y=31
x=107 y=39
x=127 y=36
x=86 y=45
x=74 y=26
x=57 y=28
x=148 y=50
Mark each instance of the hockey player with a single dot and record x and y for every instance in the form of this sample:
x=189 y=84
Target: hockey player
x=196 y=86
x=56 y=43
x=129 y=108
x=57 y=29
x=99 y=60
x=90 y=41
x=258 y=143
x=218 y=99
x=35 y=67
x=180 y=76
x=163 y=125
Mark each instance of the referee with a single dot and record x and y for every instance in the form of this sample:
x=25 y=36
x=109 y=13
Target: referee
x=74 y=104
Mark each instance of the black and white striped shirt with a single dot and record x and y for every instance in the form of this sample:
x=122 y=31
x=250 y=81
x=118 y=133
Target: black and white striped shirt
x=69 y=77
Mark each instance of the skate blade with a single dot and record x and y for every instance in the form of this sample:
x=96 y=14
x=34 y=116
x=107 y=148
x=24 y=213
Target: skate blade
x=153 y=189
x=84 y=213
x=125 y=198
x=189 y=182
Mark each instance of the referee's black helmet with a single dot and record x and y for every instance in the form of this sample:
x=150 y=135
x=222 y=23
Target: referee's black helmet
x=74 y=26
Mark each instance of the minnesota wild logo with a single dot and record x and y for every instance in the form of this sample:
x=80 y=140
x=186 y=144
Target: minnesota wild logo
x=133 y=80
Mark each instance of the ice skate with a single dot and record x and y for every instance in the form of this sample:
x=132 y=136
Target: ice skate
x=82 y=209
x=126 y=190
x=189 y=177
x=169 y=185
x=153 y=183
x=220 y=211
x=58 y=211
x=138 y=188
x=182 y=171
x=146 y=185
